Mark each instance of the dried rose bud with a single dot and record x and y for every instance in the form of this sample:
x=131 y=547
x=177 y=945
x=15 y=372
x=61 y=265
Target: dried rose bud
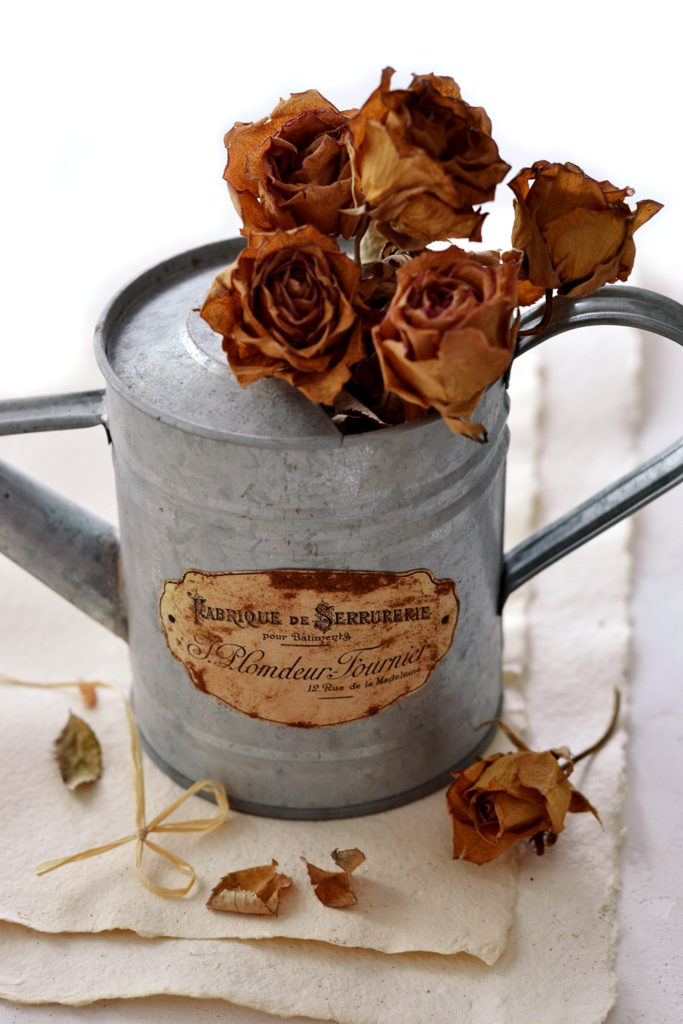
x=292 y=168
x=422 y=158
x=289 y=307
x=576 y=233
x=506 y=798
x=448 y=333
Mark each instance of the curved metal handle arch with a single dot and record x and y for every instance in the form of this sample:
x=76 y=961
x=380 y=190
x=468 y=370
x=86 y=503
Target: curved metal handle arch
x=623 y=307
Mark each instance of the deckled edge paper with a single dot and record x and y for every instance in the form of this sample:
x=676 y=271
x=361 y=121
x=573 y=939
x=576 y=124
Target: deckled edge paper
x=558 y=965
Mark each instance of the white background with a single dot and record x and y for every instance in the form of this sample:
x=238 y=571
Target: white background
x=112 y=159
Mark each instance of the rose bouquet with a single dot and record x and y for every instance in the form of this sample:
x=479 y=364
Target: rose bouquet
x=382 y=329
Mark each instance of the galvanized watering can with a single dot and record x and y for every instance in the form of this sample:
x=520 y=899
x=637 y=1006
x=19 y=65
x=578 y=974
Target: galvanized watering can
x=314 y=620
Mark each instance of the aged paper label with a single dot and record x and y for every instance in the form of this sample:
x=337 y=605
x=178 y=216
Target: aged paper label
x=309 y=647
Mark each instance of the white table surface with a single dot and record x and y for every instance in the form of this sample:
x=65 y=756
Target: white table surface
x=113 y=124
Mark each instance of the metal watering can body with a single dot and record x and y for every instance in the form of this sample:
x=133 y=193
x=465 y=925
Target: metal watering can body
x=314 y=620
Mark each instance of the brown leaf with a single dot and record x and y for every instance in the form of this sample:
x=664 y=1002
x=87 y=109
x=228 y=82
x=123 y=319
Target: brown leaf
x=78 y=753
x=333 y=888
x=250 y=891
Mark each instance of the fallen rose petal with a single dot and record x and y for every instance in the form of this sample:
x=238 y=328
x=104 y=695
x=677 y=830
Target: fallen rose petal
x=89 y=694
x=250 y=891
x=333 y=888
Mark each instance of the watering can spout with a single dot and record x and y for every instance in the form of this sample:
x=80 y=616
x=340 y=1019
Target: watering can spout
x=72 y=551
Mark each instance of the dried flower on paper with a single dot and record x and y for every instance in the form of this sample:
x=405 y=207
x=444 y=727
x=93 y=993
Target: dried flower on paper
x=289 y=307
x=422 y=157
x=333 y=888
x=576 y=233
x=292 y=168
x=250 y=891
x=447 y=334
x=502 y=799
x=505 y=798
x=78 y=753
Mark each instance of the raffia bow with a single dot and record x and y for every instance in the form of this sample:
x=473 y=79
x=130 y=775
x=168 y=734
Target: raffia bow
x=143 y=828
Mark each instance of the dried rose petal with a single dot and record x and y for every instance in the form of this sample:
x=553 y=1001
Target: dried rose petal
x=250 y=891
x=333 y=888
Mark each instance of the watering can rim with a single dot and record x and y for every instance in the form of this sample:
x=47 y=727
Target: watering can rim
x=201 y=259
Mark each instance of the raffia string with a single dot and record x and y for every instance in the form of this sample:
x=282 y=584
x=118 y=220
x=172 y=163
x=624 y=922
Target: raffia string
x=143 y=828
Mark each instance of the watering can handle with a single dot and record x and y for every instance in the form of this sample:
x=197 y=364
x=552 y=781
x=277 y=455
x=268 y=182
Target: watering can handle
x=622 y=307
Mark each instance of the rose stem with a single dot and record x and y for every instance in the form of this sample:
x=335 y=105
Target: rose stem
x=606 y=735
x=546 y=317
x=358 y=238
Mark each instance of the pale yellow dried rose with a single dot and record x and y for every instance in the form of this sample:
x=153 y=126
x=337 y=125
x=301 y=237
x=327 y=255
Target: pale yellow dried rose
x=422 y=158
x=289 y=307
x=292 y=168
x=576 y=233
x=448 y=333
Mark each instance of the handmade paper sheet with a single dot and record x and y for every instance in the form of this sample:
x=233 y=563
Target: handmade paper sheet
x=558 y=961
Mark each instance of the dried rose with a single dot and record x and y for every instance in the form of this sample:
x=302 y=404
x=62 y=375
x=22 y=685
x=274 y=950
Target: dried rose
x=502 y=799
x=576 y=233
x=289 y=307
x=447 y=334
x=422 y=157
x=292 y=168
x=505 y=798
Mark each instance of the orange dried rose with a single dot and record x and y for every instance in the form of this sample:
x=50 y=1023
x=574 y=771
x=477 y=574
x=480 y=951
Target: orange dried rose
x=448 y=333
x=292 y=168
x=505 y=798
x=289 y=307
x=422 y=157
x=576 y=233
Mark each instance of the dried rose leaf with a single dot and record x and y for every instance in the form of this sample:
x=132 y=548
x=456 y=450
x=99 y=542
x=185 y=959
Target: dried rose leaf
x=250 y=891
x=352 y=416
x=78 y=751
x=333 y=888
